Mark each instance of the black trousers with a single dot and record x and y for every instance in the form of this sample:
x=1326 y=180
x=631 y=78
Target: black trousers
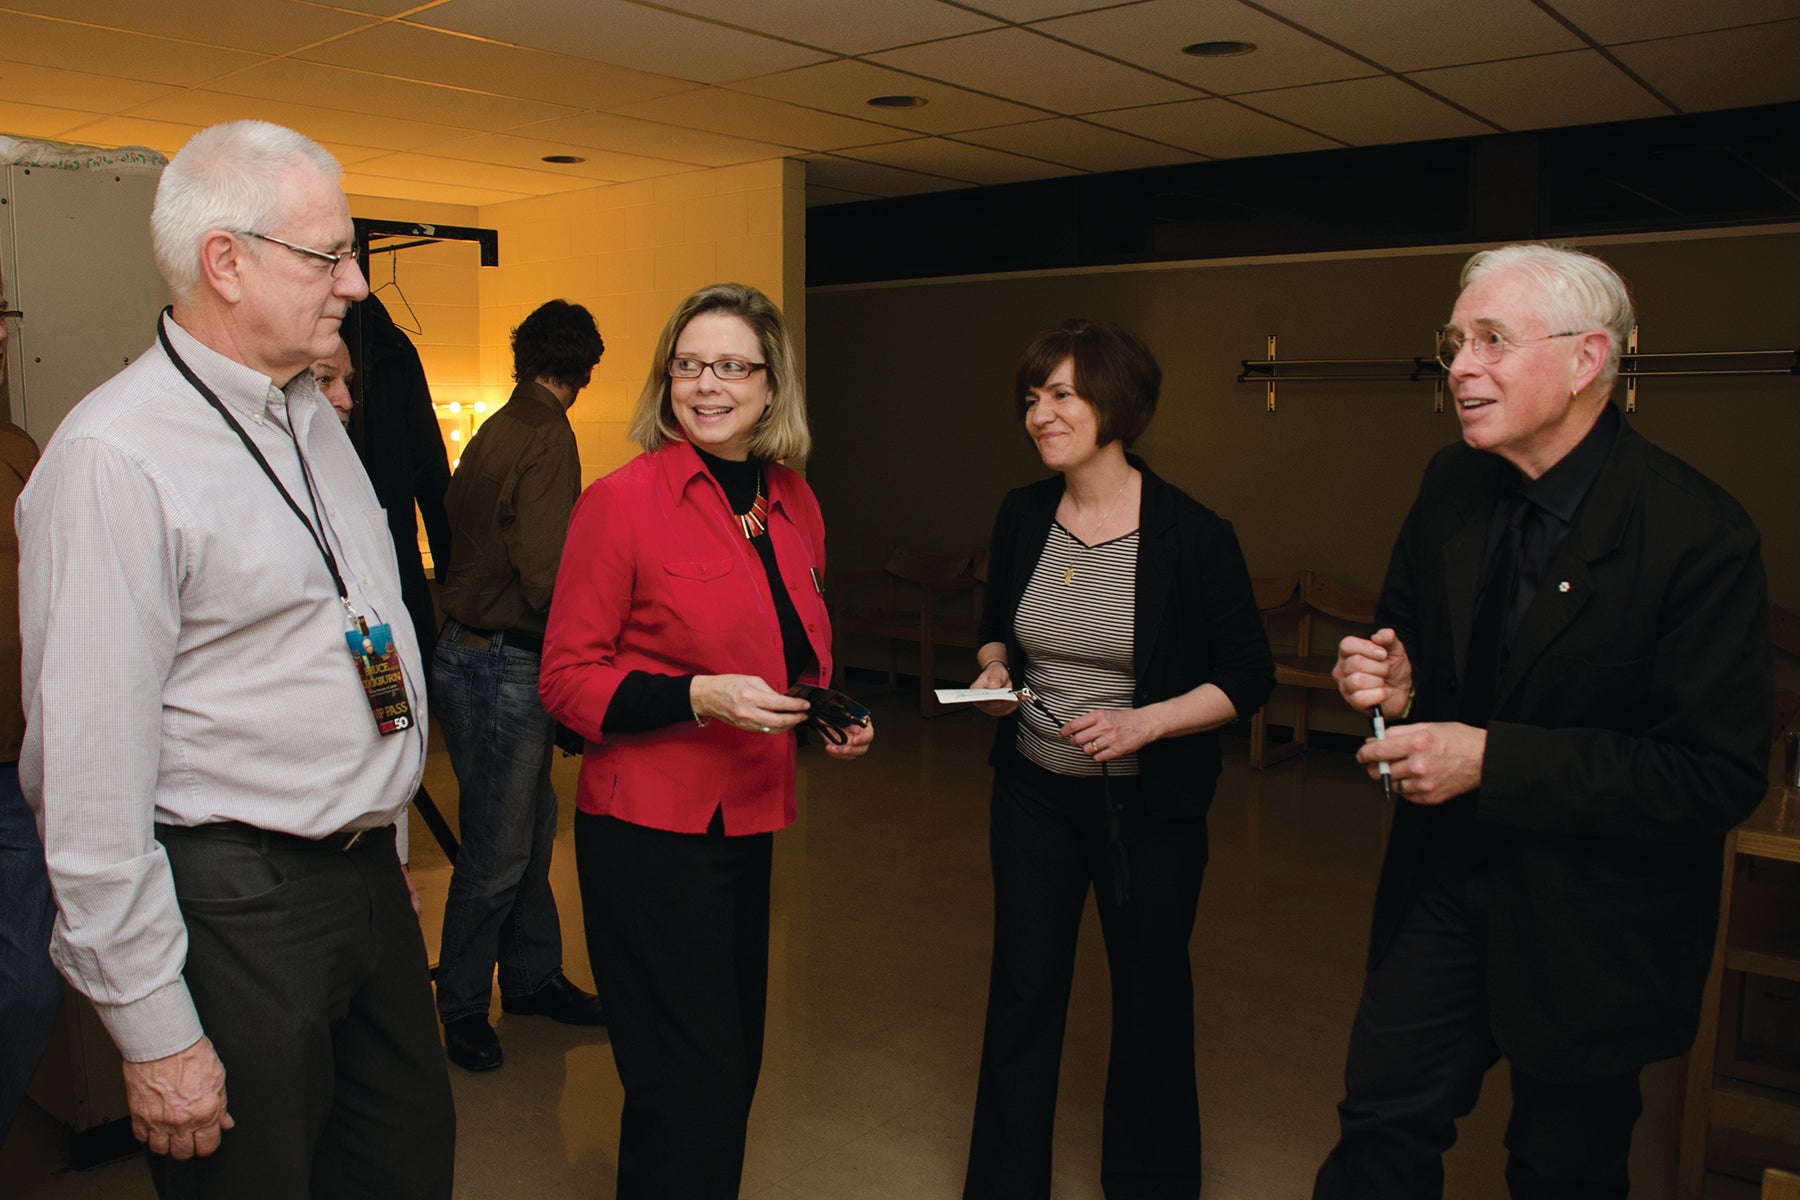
x=678 y=936
x=309 y=973
x=1418 y=1050
x=1050 y=841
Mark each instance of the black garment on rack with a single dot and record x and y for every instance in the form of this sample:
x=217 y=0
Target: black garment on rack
x=396 y=433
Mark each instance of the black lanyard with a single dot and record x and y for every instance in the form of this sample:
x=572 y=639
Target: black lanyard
x=305 y=475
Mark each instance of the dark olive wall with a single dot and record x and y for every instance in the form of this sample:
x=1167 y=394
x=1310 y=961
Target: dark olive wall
x=909 y=386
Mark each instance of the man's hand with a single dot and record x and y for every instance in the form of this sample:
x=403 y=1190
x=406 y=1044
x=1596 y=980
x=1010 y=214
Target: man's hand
x=1372 y=671
x=178 y=1103
x=1432 y=762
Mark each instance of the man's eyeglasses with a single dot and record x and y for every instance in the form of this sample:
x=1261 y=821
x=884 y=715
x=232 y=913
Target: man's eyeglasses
x=728 y=370
x=335 y=261
x=1487 y=345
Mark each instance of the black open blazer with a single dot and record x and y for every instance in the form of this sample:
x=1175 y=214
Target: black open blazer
x=1196 y=622
x=1630 y=732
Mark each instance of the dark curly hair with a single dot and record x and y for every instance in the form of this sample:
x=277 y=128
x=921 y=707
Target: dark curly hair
x=558 y=341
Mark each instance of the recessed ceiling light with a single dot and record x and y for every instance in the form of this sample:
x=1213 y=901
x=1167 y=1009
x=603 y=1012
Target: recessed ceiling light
x=1218 y=49
x=564 y=159
x=896 y=101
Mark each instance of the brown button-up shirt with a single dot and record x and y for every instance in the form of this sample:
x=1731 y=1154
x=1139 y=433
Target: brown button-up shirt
x=509 y=503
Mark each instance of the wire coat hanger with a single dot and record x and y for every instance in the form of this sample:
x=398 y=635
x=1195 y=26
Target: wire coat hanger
x=417 y=326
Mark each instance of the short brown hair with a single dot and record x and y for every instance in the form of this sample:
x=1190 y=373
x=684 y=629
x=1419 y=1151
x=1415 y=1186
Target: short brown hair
x=1114 y=372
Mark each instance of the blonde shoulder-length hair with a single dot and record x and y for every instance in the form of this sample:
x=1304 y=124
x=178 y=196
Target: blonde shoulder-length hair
x=782 y=432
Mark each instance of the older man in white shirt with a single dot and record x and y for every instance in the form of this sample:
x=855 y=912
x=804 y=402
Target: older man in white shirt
x=225 y=713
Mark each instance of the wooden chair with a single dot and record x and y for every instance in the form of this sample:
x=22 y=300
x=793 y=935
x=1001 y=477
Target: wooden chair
x=1297 y=599
x=1780 y=1185
x=908 y=590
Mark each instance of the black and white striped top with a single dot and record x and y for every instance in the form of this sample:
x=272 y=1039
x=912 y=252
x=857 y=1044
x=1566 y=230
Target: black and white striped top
x=1076 y=623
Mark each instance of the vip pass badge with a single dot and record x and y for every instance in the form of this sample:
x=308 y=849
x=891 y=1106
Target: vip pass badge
x=378 y=667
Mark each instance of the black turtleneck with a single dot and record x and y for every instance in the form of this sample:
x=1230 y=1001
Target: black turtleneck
x=645 y=700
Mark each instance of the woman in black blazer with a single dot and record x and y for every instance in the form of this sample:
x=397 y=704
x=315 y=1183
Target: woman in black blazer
x=1126 y=607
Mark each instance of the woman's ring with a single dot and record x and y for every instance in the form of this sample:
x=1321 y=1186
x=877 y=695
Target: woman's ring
x=1093 y=745
x=766 y=729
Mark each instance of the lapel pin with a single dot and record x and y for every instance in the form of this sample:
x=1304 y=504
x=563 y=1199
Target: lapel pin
x=1563 y=586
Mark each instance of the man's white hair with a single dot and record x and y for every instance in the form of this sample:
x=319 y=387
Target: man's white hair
x=1580 y=292
x=227 y=177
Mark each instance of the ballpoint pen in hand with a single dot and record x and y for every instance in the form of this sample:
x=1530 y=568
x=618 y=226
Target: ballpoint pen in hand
x=1387 y=770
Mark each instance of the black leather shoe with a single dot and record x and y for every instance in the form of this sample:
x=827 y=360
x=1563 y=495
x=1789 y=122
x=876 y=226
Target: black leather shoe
x=559 y=1000
x=472 y=1044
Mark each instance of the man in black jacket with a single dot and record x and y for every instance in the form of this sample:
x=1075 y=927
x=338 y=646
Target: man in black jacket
x=1575 y=624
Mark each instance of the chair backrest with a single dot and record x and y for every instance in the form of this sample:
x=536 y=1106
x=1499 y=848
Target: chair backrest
x=915 y=566
x=1272 y=591
x=1339 y=600
x=1780 y=1185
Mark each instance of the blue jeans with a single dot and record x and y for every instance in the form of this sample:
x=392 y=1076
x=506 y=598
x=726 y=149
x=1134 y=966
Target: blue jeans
x=500 y=909
x=29 y=984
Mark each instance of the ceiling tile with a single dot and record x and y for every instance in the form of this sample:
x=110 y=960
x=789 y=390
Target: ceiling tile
x=844 y=28
x=1732 y=68
x=1368 y=112
x=1037 y=10
x=408 y=51
x=970 y=164
x=1403 y=35
x=628 y=135
x=602 y=166
x=1220 y=128
x=872 y=179
x=1034 y=70
x=818 y=196
x=433 y=169
x=762 y=119
x=1152 y=34
x=110 y=52
x=400 y=188
x=379 y=8
x=377 y=95
x=1610 y=21
x=202 y=108
x=166 y=136
x=846 y=85
x=1078 y=144
x=615 y=31
x=97 y=93
x=1533 y=93
x=39 y=121
x=265 y=26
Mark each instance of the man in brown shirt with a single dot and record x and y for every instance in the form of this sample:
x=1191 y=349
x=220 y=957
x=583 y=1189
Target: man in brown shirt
x=29 y=984
x=509 y=503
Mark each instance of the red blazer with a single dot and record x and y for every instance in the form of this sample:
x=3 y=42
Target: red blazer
x=656 y=576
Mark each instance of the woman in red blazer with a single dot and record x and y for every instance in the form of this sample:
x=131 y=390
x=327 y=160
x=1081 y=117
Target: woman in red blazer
x=688 y=601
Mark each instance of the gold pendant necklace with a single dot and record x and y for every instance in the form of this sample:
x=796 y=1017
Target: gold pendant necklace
x=1081 y=547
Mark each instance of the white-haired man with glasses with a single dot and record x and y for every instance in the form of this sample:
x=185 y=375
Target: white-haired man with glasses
x=1573 y=659
x=225 y=713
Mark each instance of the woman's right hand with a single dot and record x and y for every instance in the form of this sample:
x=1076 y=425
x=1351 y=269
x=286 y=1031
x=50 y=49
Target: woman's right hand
x=995 y=675
x=746 y=702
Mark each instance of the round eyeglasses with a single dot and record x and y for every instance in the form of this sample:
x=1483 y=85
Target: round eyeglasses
x=1487 y=345
x=335 y=261
x=726 y=370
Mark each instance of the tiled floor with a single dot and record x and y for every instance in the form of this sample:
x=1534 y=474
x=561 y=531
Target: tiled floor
x=878 y=969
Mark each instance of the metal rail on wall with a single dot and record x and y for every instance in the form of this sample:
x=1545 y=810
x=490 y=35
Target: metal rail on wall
x=1633 y=366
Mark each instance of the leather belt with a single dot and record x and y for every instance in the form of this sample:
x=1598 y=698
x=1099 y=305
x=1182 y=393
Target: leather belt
x=471 y=638
x=250 y=835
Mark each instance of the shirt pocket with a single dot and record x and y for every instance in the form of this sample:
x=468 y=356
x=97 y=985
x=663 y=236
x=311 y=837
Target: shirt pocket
x=703 y=593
